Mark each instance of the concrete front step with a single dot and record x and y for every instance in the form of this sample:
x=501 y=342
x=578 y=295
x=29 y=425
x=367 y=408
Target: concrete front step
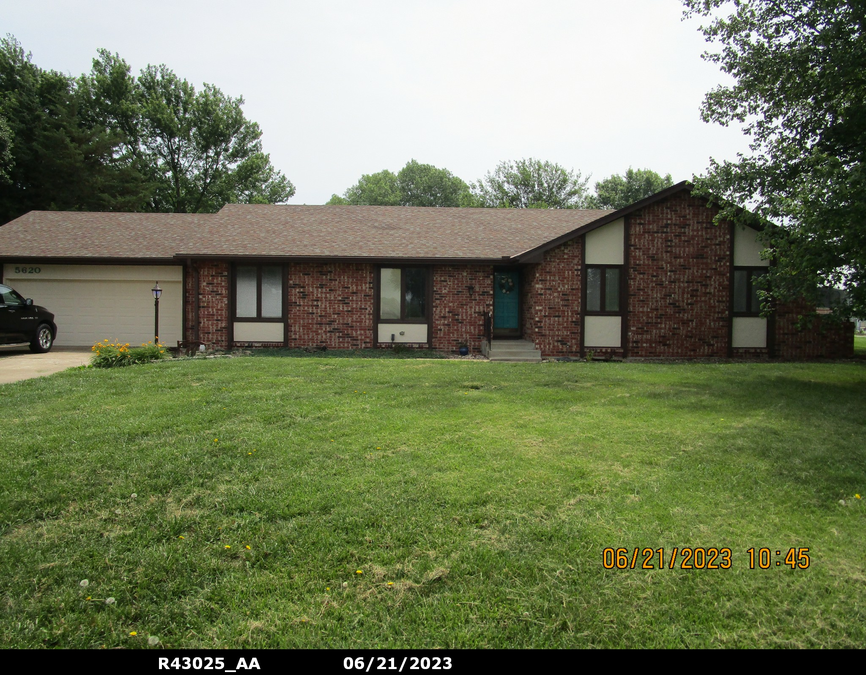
x=514 y=351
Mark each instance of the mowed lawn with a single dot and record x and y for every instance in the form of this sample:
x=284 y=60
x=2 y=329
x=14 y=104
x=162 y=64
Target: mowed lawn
x=322 y=503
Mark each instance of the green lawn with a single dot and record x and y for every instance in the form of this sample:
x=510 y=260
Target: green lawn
x=278 y=502
x=860 y=345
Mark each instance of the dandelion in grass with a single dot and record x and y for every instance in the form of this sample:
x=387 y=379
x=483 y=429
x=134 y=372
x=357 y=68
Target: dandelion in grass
x=153 y=640
x=228 y=547
x=110 y=601
x=856 y=496
x=359 y=572
x=133 y=633
x=84 y=583
x=248 y=547
x=181 y=537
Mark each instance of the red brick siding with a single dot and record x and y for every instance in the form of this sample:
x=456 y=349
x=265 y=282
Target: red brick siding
x=213 y=299
x=750 y=352
x=822 y=340
x=552 y=297
x=331 y=305
x=458 y=312
x=678 y=280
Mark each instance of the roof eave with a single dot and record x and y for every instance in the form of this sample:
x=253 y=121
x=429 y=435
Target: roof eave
x=402 y=260
x=79 y=259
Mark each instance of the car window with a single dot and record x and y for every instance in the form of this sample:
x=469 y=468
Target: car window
x=10 y=297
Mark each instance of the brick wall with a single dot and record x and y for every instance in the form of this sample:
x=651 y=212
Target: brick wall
x=551 y=301
x=678 y=280
x=213 y=299
x=462 y=296
x=822 y=339
x=331 y=305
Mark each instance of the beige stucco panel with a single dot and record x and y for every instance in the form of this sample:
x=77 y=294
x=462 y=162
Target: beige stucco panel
x=602 y=331
x=606 y=245
x=749 y=332
x=411 y=332
x=747 y=249
x=245 y=331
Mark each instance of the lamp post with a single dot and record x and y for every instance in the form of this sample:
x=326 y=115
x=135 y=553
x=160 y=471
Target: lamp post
x=157 y=291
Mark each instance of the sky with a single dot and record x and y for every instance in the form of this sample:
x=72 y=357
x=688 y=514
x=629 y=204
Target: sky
x=345 y=88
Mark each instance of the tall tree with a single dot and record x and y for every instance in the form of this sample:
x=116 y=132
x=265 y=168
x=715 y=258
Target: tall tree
x=415 y=184
x=800 y=92
x=108 y=141
x=5 y=150
x=617 y=191
x=203 y=152
x=56 y=158
x=531 y=183
x=426 y=185
x=375 y=189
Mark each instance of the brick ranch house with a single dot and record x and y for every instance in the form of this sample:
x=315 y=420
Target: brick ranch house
x=655 y=279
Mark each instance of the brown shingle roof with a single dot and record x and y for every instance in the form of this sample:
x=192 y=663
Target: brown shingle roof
x=76 y=234
x=255 y=230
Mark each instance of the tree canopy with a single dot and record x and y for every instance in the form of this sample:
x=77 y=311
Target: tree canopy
x=197 y=149
x=617 y=191
x=415 y=184
x=531 y=183
x=800 y=92
x=107 y=141
x=51 y=155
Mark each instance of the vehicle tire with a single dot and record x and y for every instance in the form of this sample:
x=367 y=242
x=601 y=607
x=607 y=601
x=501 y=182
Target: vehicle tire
x=42 y=340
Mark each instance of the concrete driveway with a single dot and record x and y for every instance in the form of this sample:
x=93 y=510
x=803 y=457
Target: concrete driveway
x=19 y=364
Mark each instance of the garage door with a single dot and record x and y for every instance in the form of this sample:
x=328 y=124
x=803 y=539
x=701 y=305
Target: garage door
x=93 y=302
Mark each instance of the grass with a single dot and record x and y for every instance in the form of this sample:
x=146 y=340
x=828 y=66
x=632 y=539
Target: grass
x=264 y=502
x=399 y=352
x=860 y=346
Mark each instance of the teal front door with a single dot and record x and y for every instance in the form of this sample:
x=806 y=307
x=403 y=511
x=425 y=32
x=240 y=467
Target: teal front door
x=506 y=304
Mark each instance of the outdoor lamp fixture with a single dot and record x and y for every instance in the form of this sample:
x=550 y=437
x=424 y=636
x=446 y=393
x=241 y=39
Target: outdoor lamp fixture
x=157 y=291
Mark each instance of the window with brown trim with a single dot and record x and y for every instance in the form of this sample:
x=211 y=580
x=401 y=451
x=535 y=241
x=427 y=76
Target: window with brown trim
x=603 y=294
x=259 y=292
x=403 y=294
x=746 y=300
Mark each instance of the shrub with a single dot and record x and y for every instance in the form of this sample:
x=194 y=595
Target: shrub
x=110 y=354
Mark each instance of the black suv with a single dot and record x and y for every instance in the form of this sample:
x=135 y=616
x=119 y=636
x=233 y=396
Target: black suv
x=21 y=321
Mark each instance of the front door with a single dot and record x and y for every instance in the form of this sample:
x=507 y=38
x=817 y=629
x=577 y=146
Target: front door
x=506 y=304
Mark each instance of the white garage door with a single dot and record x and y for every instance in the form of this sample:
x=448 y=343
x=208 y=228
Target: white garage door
x=93 y=302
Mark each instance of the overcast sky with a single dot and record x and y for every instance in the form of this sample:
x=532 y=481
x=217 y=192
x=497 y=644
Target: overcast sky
x=343 y=88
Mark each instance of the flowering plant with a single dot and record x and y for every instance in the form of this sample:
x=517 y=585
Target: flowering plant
x=110 y=354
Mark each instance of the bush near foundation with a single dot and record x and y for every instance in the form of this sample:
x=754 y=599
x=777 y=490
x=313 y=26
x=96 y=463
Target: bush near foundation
x=113 y=354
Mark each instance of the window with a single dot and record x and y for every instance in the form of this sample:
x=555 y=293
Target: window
x=259 y=292
x=403 y=294
x=603 y=289
x=9 y=297
x=746 y=301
